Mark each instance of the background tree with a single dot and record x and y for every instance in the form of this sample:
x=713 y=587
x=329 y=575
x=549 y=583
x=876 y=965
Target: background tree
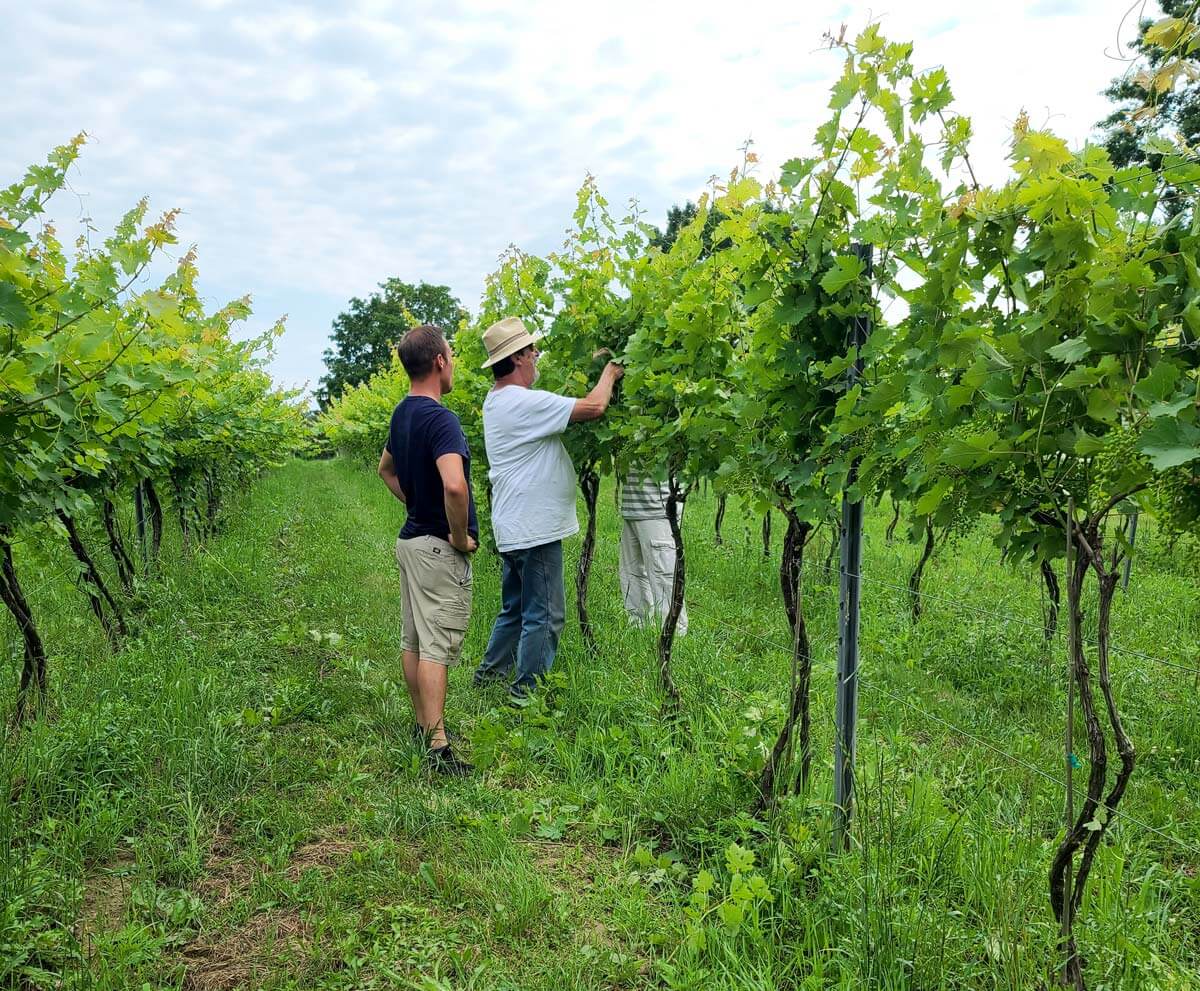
x=678 y=217
x=1149 y=103
x=364 y=334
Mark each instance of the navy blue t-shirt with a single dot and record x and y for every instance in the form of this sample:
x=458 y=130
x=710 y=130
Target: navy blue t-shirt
x=422 y=431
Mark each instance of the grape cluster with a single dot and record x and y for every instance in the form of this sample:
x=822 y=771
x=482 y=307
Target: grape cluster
x=1176 y=499
x=1119 y=466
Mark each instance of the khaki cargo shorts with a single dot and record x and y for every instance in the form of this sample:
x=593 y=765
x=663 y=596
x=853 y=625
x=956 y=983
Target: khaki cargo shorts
x=435 y=593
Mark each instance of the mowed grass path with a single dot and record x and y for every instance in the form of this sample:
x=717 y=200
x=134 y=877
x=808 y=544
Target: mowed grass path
x=233 y=801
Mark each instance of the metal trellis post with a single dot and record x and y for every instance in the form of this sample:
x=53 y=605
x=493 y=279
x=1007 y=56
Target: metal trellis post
x=1130 y=535
x=139 y=510
x=850 y=538
x=1069 y=736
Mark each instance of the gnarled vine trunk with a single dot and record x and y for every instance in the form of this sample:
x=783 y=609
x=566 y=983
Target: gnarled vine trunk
x=111 y=619
x=675 y=503
x=156 y=519
x=212 y=501
x=790 y=569
x=1125 y=748
x=890 y=534
x=914 y=580
x=589 y=483
x=719 y=520
x=139 y=513
x=198 y=527
x=1098 y=810
x=116 y=546
x=1054 y=597
x=181 y=509
x=31 y=692
x=766 y=534
x=488 y=538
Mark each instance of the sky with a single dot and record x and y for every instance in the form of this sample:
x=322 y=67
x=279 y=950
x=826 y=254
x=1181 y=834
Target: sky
x=318 y=148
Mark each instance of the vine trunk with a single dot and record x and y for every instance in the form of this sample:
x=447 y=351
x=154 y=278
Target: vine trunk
x=790 y=570
x=675 y=504
x=111 y=619
x=589 y=483
x=914 y=580
x=31 y=692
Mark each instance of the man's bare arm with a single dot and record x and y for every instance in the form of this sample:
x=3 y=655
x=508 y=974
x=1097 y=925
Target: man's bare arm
x=458 y=501
x=387 y=471
x=593 y=405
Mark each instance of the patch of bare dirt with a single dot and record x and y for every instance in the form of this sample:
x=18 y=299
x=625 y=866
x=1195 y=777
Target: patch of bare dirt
x=595 y=932
x=242 y=957
x=573 y=870
x=577 y=872
x=322 y=854
x=105 y=900
x=226 y=873
x=571 y=862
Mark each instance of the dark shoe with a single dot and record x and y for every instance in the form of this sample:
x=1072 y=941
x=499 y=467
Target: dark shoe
x=520 y=700
x=443 y=761
x=492 y=678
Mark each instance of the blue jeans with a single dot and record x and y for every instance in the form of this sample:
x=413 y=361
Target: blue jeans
x=532 y=613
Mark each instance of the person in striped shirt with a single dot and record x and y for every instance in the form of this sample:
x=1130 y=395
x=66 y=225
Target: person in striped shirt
x=647 y=562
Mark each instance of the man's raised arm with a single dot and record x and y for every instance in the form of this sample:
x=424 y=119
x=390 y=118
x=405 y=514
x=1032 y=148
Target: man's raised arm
x=593 y=405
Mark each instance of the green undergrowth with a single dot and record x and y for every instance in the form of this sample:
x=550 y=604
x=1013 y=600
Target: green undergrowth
x=233 y=800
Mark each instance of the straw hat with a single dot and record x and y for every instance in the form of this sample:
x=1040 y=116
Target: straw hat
x=506 y=337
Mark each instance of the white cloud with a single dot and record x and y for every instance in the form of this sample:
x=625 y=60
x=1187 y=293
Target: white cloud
x=318 y=149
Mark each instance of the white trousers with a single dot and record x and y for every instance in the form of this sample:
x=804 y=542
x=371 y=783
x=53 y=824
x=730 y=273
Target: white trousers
x=648 y=571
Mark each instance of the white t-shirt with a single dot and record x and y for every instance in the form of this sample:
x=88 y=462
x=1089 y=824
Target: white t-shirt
x=533 y=480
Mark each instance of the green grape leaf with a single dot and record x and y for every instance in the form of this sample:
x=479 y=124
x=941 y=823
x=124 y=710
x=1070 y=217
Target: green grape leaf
x=1072 y=350
x=12 y=309
x=933 y=498
x=846 y=268
x=1169 y=443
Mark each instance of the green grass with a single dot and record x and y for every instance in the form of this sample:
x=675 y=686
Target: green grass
x=233 y=799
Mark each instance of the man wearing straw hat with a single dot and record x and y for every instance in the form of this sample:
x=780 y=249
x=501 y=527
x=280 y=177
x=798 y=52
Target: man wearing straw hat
x=533 y=503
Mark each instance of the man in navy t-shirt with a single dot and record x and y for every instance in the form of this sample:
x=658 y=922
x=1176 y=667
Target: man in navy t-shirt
x=421 y=432
x=426 y=465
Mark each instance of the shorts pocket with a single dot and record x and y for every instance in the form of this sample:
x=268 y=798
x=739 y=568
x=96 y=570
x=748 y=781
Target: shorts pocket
x=464 y=573
x=455 y=614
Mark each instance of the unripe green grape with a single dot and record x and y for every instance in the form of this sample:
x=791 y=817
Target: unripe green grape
x=1176 y=499
x=1119 y=465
